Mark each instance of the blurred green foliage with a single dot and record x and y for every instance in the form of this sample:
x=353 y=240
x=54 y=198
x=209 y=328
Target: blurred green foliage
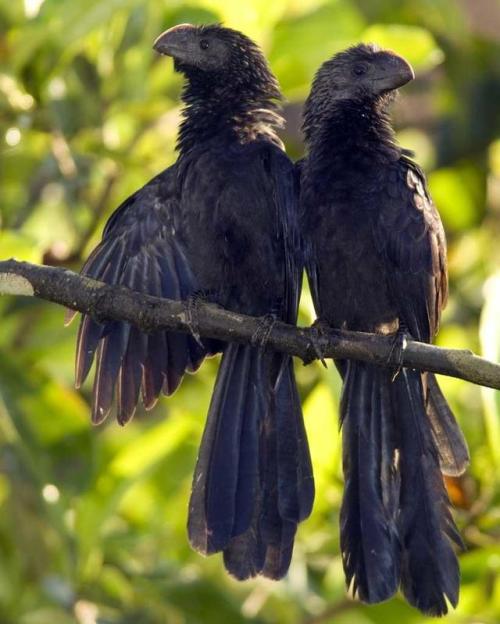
x=92 y=521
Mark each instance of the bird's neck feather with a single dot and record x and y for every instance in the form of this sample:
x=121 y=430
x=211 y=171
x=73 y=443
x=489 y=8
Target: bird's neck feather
x=236 y=113
x=352 y=135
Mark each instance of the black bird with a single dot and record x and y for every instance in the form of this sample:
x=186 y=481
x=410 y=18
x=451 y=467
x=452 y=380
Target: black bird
x=376 y=262
x=220 y=223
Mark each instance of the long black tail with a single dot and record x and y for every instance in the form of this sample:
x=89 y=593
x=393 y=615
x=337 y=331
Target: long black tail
x=368 y=516
x=396 y=525
x=429 y=567
x=253 y=481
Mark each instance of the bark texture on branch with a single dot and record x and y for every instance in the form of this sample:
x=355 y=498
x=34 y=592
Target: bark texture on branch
x=152 y=313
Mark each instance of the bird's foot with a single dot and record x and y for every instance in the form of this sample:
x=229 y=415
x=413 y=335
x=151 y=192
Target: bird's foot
x=398 y=347
x=261 y=335
x=318 y=330
x=191 y=306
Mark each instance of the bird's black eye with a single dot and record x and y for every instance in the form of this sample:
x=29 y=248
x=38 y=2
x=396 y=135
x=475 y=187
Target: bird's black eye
x=204 y=44
x=359 y=70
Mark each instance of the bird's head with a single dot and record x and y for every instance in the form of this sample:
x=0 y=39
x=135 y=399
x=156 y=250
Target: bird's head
x=363 y=72
x=217 y=55
x=361 y=76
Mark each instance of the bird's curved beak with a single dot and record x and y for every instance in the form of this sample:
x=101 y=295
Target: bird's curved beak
x=393 y=71
x=175 y=41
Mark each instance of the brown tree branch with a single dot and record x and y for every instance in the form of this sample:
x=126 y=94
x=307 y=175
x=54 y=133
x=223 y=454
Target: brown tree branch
x=151 y=313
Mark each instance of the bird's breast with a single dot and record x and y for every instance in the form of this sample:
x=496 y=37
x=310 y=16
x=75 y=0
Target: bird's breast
x=353 y=280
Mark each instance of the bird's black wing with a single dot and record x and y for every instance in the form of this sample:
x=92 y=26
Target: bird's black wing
x=141 y=250
x=286 y=197
x=306 y=245
x=410 y=235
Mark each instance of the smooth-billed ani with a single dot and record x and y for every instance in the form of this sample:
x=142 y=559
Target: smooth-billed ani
x=376 y=262
x=220 y=223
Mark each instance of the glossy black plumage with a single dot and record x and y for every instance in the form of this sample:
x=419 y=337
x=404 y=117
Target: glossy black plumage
x=221 y=221
x=142 y=250
x=368 y=515
x=376 y=262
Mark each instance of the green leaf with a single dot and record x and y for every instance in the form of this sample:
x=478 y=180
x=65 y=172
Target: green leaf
x=149 y=448
x=65 y=25
x=417 y=45
x=37 y=404
x=489 y=332
x=302 y=44
x=45 y=615
x=321 y=420
x=254 y=17
x=19 y=246
x=458 y=194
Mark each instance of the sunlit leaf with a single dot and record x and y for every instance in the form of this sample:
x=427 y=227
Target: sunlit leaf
x=415 y=44
x=151 y=446
x=255 y=17
x=38 y=404
x=494 y=156
x=19 y=246
x=489 y=332
x=301 y=45
x=458 y=193
x=321 y=419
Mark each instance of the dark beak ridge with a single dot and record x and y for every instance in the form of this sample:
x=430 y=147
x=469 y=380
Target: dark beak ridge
x=394 y=72
x=174 y=40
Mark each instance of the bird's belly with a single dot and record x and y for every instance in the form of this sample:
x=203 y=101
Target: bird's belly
x=353 y=282
x=238 y=265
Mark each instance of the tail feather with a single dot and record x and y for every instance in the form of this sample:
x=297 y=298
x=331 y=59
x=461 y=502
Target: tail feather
x=227 y=469
x=288 y=486
x=389 y=441
x=275 y=488
x=89 y=334
x=245 y=555
x=108 y=367
x=248 y=465
x=153 y=378
x=278 y=534
x=368 y=533
x=448 y=437
x=279 y=552
x=287 y=492
x=130 y=376
x=294 y=469
x=266 y=548
x=429 y=571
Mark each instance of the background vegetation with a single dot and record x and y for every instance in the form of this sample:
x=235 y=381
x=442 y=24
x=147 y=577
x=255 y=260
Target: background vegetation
x=92 y=521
